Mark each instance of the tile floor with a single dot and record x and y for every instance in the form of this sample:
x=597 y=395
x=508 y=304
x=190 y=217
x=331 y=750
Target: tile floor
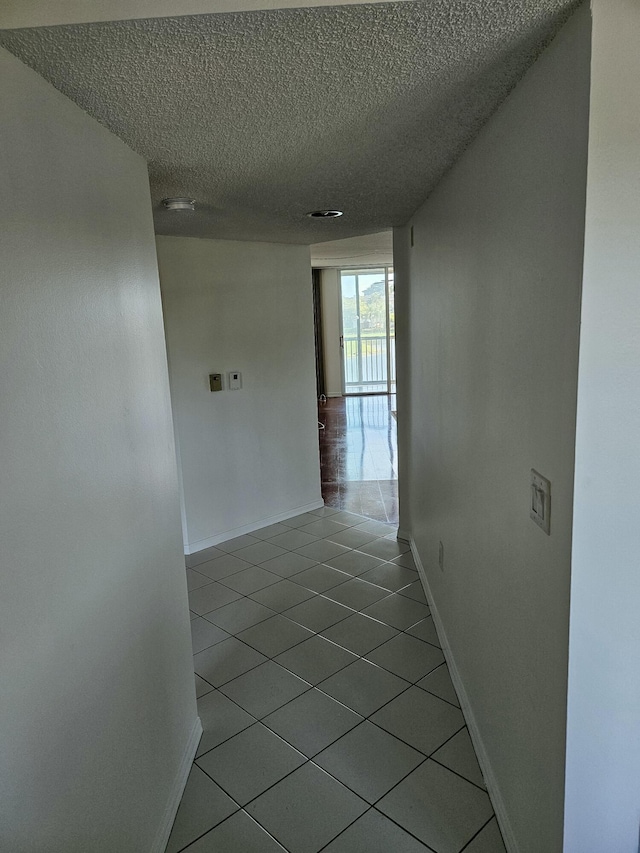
x=359 y=455
x=330 y=721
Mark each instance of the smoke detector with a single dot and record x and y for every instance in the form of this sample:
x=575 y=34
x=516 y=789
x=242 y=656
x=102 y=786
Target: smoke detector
x=324 y=214
x=179 y=203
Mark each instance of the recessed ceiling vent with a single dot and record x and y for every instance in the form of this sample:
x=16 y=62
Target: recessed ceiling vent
x=179 y=203
x=324 y=214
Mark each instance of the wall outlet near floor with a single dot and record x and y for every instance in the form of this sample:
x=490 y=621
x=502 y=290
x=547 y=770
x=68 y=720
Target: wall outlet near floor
x=441 y=556
x=540 y=508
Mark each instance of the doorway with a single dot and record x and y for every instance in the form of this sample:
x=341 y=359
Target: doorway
x=367 y=340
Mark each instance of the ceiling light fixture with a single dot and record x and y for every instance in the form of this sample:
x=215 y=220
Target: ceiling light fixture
x=324 y=214
x=179 y=203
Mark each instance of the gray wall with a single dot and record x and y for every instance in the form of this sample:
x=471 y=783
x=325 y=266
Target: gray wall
x=247 y=457
x=493 y=286
x=97 y=700
x=603 y=725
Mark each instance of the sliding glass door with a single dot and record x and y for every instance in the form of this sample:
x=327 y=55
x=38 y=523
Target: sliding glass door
x=368 y=331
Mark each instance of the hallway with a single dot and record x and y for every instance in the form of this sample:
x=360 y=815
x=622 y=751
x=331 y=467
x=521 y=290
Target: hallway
x=359 y=455
x=330 y=721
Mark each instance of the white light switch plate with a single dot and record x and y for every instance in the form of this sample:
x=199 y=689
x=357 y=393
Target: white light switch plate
x=235 y=381
x=540 y=508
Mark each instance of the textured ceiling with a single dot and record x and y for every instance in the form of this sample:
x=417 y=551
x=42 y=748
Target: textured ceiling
x=263 y=116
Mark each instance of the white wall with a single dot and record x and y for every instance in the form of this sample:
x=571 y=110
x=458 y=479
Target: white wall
x=43 y=13
x=247 y=456
x=331 y=331
x=404 y=369
x=97 y=702
x=368 y=250
x=603 y=727
x=494 y=280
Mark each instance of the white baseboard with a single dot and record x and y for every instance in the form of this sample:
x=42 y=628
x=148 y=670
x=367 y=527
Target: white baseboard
x=194 y=547
x=483 y=758
x=333 y=394
x=164 y=830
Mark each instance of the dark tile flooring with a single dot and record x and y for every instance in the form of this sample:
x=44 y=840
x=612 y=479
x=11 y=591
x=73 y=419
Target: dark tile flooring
x=359 y=455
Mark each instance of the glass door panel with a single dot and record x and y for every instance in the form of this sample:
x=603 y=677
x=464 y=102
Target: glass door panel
x=367 y=348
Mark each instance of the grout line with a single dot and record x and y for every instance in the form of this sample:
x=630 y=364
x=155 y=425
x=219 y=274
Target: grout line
x=314 y=633
x=408 y=831
x=335 y=778
x=426 y=690
x=399 y=782
x=339 y=781
x=466 y=846
x=253 y=799
x=197 y=758
x=373 y=805
x=331 y=743
x=239 y=809
x=257 y=823
x=322 y=770
x=328 y=639
x=367 y=717
x=346 y=828
x=250 y=669
x=318 y=687
x=456 y=772
x=215 y=825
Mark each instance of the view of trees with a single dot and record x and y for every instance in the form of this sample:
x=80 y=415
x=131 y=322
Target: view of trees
x=372 y=308
x=368 y=354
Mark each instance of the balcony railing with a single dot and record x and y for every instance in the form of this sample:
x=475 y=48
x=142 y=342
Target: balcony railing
x=366 y=363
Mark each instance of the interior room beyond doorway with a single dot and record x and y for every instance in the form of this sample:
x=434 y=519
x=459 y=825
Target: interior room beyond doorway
x=359 y=455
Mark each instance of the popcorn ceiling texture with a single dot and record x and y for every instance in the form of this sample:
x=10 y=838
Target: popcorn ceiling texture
x=263 y=116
